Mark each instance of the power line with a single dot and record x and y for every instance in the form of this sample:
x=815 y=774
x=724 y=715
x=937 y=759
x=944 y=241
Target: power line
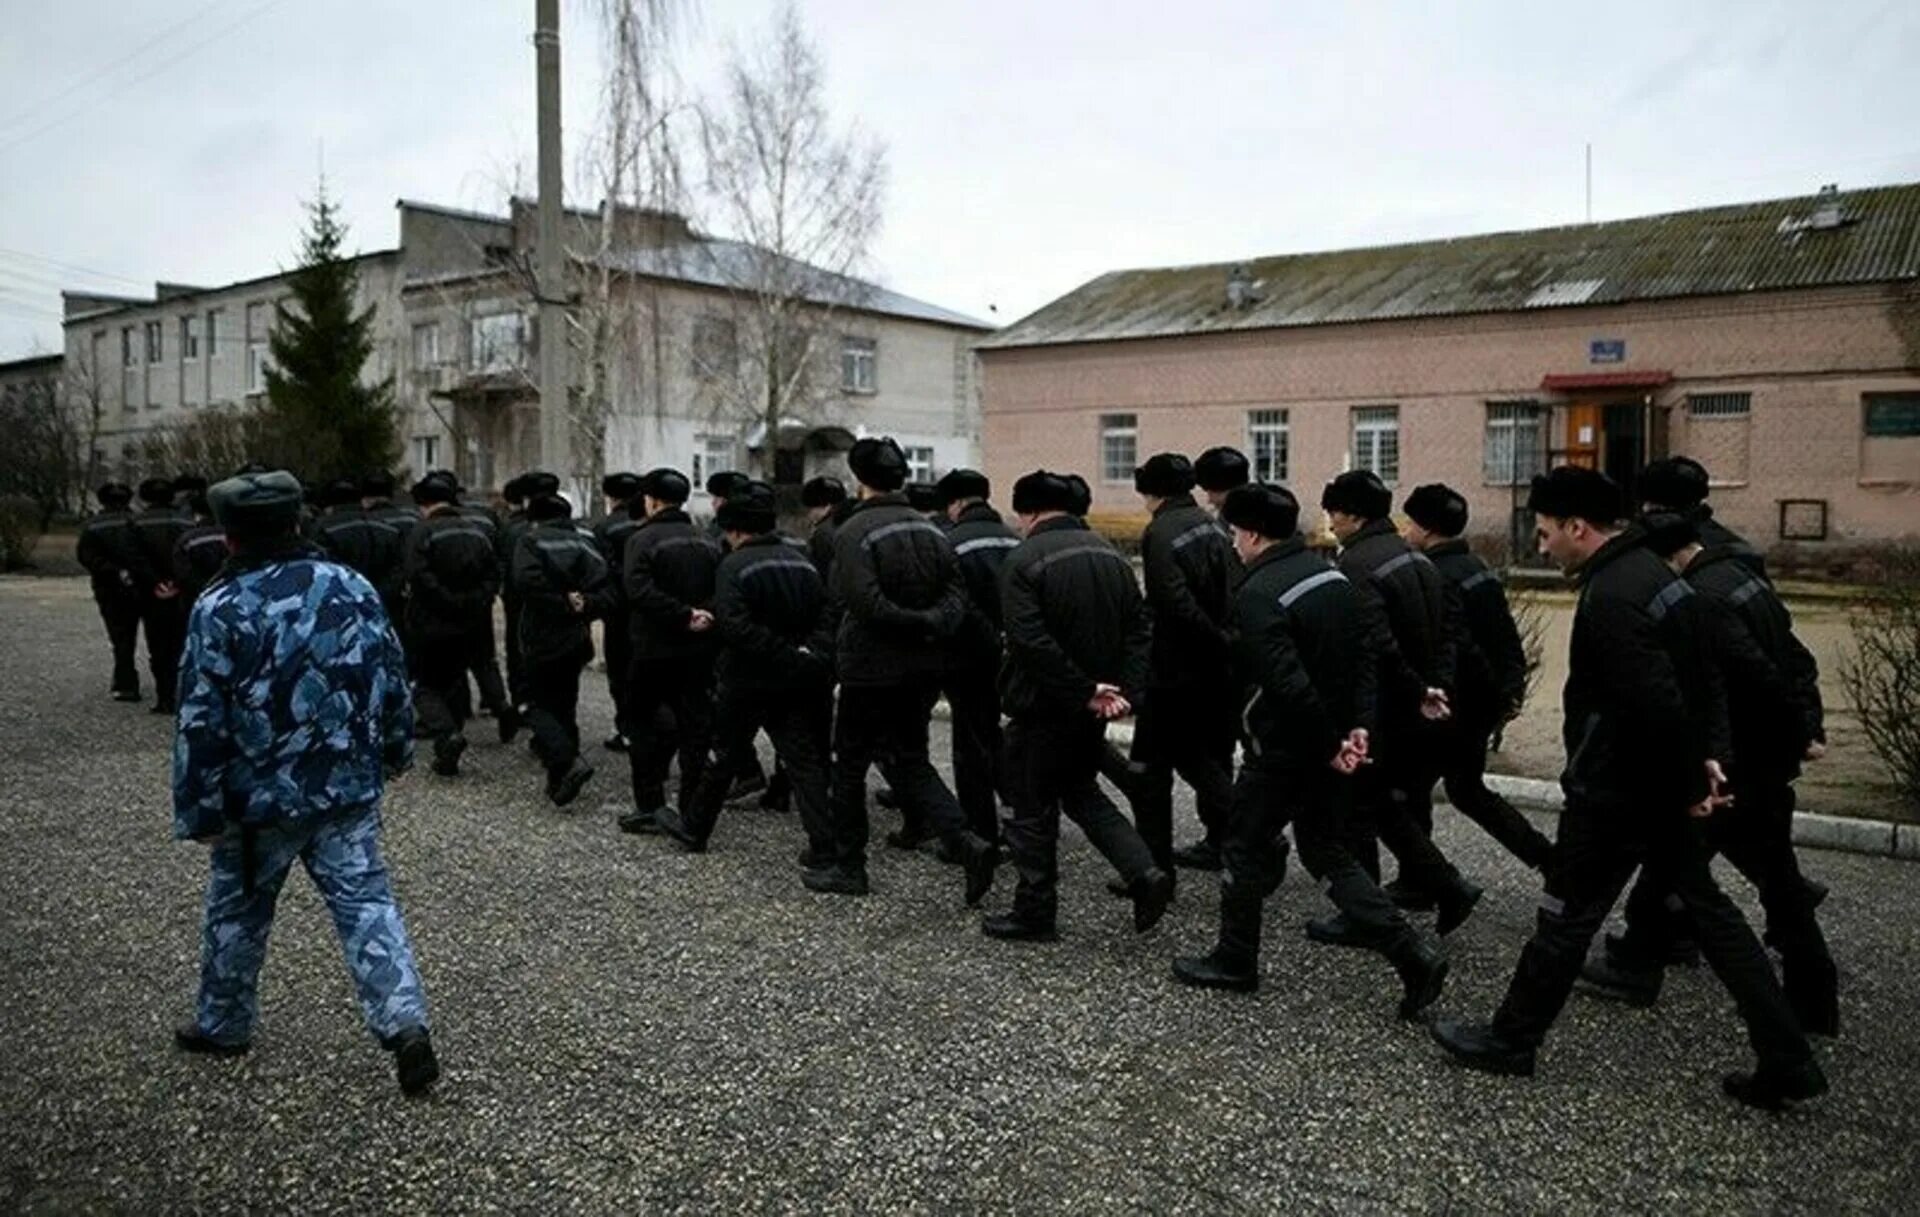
x=70 y=267
x=82 y=82
x=155 y=70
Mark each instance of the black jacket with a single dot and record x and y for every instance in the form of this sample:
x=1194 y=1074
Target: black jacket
x=110 y=550
x=1717 y=536
x=895 y=594
x=1300 y=657
x=1072 y=617
x=1490 y=669
x=666 y=573
x=353 y=536
x=1190 y=569
x=1772 y=681
x=513 y=526
x=197 y=557
x=1644 y=704
x=610 y=533
x=157 y=530
x=452 y=575
x=1414 y=626
x=770 y=609
x=981 y=542
x=549 y=561
x=820 y=540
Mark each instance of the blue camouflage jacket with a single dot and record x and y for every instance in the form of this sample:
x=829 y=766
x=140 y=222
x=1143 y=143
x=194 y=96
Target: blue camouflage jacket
x=293 y=697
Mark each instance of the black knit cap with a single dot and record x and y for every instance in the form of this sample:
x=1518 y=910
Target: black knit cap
x=1570 y=492
x=1082 y=494
x=339 y=492
x=878 y=463
x=823 y=492
x=961 y=484
x=156 y=492
x=1166 y=475
x=1438 y=508
x=435 y=489
x=1674 y=482
x=515 y=491
x=924 y=496
x=1358 y=492
x=621 y=486
x=377 y=485
x=1221 y=469
x=539 y=482
x=256 y=504
x=1261 y=507
x=750 y=508
x=1669 y=533
x=726 y=483
x=1042 y=491
x=544 y=507
x=667 y=485
x=114 y=495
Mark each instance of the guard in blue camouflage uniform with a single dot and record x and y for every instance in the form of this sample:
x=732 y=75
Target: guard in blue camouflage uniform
x=293 y=709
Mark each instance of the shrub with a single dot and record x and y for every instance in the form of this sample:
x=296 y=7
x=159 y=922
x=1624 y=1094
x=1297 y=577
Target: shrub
x=1882 y=676
x=20 y=530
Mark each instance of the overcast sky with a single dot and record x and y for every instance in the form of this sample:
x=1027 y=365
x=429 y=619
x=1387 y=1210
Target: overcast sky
x=1032 y=146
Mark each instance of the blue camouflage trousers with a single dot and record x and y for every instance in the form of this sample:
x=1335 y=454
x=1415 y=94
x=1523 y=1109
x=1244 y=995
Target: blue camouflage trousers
x=342 y=855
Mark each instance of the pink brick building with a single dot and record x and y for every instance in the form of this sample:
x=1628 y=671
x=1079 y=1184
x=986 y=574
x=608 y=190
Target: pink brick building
x=1777 y=343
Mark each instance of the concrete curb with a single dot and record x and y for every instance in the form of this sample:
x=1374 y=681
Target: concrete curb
x=1847 y=834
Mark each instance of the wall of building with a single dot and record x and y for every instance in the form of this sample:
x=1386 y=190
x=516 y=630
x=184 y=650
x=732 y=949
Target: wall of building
x=1806 y=358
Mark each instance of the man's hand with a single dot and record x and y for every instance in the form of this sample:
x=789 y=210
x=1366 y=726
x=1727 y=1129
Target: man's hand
x=1715 y=800
x=166 y=591
x=1352 y=754
x=576 y=602
x=1816 y=749
x=1107 y=703
x=1434 y=707
x=699 y=621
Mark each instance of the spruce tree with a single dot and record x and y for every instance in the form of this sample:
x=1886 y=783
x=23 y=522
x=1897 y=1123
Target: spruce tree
x=326 y=422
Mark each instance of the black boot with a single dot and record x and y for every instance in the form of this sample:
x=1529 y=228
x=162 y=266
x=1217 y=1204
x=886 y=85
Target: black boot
x=564 y=787
x=1423 y=972
x=1483 y=1048
x=507 y=720
x=1201 y=855
x=1616 y=978
x=413 y=1060
x=884 y=797
x=981 y=858
x=188 y=1038
x=1152 y=893
x=1337 y=931
x=1234 y=962
x=835 y=880
x=1455 y=903
x=1408 y=897
x=1774 y=1089
x=446 y=755
x=1014 y=928
x=616 y=743
x=669 y=823
x=641 y=821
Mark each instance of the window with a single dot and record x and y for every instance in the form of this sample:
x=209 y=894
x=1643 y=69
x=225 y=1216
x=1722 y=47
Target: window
x=1719 y=405
x=213 y=332
x=189 y=339
x=126 y=347
x=153 y=341
x=426 y=345
x=256 y=367
x=711 y=454
x=1119 y=447
x=857 y=364
x=920 y=464
x=715 y=347
x=499 y=342
x=1892 y=415
x=1267 y=444
x=1515 y=448
x=426 y=453
x=1376 y=441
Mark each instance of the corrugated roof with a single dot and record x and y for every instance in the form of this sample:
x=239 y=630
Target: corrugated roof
x=1742 y=248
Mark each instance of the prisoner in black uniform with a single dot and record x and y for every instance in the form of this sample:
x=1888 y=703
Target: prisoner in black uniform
x=110 y=551
x=201 y=550
x=453 y=572
x=163 y=613
x=353 y=536
x=624 y=513
x=1643 y=705
x=1679 y=484
x=981 y=542
x=1306 y=678
x=563 y=584
x=826 y=502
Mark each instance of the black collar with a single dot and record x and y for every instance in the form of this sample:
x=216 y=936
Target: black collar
x=1630 y=538
x=1453 y=545
x=1277 y=551
x=1060 y=523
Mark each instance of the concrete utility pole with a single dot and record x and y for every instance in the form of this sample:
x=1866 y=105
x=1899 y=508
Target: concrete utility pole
x=556 y=429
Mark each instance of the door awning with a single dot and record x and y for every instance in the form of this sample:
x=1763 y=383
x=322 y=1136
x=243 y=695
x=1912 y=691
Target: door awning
x=1575 y=381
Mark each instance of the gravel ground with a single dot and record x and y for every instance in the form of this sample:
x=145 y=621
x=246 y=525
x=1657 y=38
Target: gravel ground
x=627 y=1028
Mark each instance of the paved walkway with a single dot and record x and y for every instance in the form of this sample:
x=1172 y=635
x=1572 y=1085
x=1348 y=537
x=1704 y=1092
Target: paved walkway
x=625 y=1028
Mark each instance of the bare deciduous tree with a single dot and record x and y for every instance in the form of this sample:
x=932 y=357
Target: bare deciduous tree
x=804 y=200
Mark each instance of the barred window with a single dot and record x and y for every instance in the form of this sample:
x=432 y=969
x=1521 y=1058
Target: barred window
x=1267 y=444
x=857 y=359
x=1119 y=446
x=1719 y=405
x=919 y=464
x=1376 y=441
x=1515 y=443
x=1891 y=415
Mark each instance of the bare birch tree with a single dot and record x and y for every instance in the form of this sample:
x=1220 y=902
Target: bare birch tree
x=804 y=200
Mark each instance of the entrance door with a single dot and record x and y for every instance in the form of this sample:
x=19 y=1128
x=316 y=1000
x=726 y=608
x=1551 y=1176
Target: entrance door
x=1624 y=447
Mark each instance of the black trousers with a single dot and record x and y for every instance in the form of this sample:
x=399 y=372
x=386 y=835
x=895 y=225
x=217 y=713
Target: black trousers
x=483 y=660
x=670 y=703
x=1189 y=732
x=618 y=649
x=979 y=775
x=1054 y=766
x=553 y=703
x=516 y=661
x=439 y=684
x=1594 y=855
x=121 y=614
x=1462 y=762
x=797 y=719
x=166 y=624
x=1273 y=792
x=887 y=725
x=1756 y=835
x=1405 y=762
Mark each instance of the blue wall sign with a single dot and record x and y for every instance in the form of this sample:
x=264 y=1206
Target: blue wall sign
x=1607 y=350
